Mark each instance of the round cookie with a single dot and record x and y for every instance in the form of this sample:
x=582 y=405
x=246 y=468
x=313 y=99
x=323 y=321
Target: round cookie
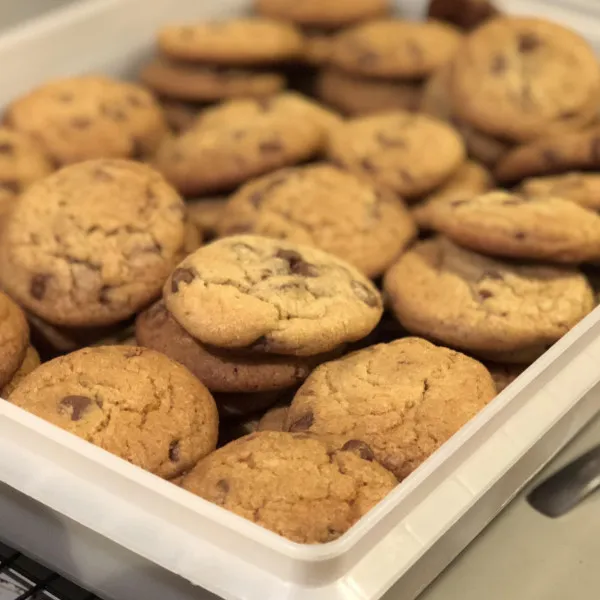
x=272 y=296
x=581 y=188
x=394 y=151
x=92 y=243
x=358 y=96
x=205 y=214
x=221 y=370
x=274 y=419
x=333 y=14
x=248 y=41
x=553 y=155
x=30 y=363
x=523 y=78
x=465 y=14
x=235 y=142
x=294 y=485
x=14 y=338
x=201 y=83
x=89 y=117
x=22 y=162
x=403 y=400
x=324 y=207
x=515 y=226
x=497 y=310
x=504 y=375
x=395 y=48
x=132 y=402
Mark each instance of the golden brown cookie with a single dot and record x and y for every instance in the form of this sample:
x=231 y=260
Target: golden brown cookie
x=324 y=207
x=202 y=83
x=294 y=485
x=465 y=14
x=14 y=338
x=403 y=400
x=317 y=47
x=395 y=48
x=271 y=295
x=30 y=363
x=244 y=41
x=358 y=96
x=93 y=243
x=522 y=78
x=581 y=188
x=496 y=310
x=274 y=419
x=394 y=151
x=516 y=226
x=89 y=117
x=132 y=402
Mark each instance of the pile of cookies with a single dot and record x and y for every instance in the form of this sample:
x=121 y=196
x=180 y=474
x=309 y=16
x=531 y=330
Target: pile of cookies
x=285 y=303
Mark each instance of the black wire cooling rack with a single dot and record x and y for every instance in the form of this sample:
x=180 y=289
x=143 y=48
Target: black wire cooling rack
x=23 y=579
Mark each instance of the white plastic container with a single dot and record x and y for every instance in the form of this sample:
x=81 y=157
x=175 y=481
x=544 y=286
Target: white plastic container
x=126 y=534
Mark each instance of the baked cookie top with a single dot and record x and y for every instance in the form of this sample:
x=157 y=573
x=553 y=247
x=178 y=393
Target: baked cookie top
x=271 y=295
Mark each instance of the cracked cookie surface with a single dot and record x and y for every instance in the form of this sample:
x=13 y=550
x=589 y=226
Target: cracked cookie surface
x=394 y=151
x=92 y=243
x=523 y=78
x=324 y=207
x=132 y=402
x=294 y=485
x=14 y=338
x=272 y=296
x=403 y=399
x=497 y=310
x=89 y=117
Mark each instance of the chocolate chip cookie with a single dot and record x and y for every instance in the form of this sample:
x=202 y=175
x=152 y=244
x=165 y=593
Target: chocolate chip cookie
x=30 y=363
x=220 y=370
x=14 y=338
x=581 y=188
x=89 y=117
x=465 y=14
x=395 y=48
x=247 y=41
x=517 y=226
x=324 y=207
x=92 y=243
x=294 y=485
x=132 y=402
x=522 y=78
x=271 y=295
x=394 y=151
x=202 y=83
x=402 y=400
x=497 y=310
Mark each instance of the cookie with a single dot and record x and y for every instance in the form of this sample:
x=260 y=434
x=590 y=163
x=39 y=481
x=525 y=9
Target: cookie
x=235 y=142
x=294 y=485
x=523 y=78
x=205 y=214
x=318 y=45
x=180 y=116
x=220 y=370
x=464 y=14
x=201 y=83
x=89 y=117
x=271 y=295
x=358 y=96
x=14 y=338
x=395 y=48
x=471 y=179
x=394 y=151
x=332 y=14
x=30 y=363
x=495 y=310
x=554 y=155
x=402 y=400
x=22 y=162
x=581 y=188
x=324 y=207
x=247 y=41
x=132 y=402
x=516 y=226
x=274 y=419
x=504 y=375
x=93 y=243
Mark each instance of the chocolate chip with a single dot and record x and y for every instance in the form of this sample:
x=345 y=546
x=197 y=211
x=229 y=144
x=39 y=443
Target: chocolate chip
x=10 y=185
x=38 y=285
x=114 y=113
x=528 y=42
x=181 y=276
x=485 y=294
x=297 y=264
x=304 y=423
x=77 y=404
x=222 y=491
x=257 y=198
x=499 y=64
x=364 y=294
x=360 y=448
x=138 y=150
x=81 y=122
x=223 y=485
x=103 y=295
x=271 y=146
x=520 y=235
x=174 y=451
x=6 y=148
x=368 y=165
